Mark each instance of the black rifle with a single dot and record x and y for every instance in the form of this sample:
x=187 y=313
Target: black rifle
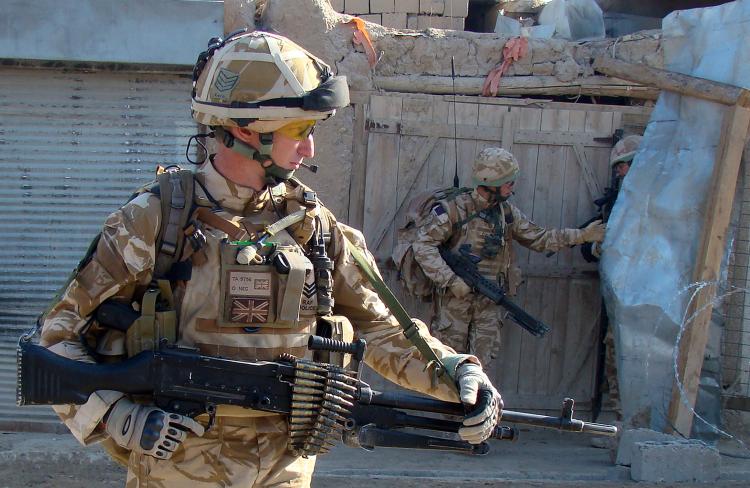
x=183 y=381
x=464 y=265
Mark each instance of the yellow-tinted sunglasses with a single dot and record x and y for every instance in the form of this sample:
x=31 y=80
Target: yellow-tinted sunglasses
x=299 y=131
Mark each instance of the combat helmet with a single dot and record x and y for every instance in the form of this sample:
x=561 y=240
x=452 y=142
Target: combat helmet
x=263 y=82
x=494 y=167
x=624 y=150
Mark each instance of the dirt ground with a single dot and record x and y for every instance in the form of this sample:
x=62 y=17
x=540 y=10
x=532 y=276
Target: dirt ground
x=539 y=458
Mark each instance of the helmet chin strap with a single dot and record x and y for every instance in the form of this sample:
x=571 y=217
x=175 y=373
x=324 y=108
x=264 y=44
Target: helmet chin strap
x=274 y=173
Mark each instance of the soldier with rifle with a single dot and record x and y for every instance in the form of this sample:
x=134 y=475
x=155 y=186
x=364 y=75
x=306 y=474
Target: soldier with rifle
x=240 y=263
x=465 y=248
x=620 y=160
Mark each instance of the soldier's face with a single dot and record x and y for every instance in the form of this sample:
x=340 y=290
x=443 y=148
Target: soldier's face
x=506 y=189
x=621 y=169
x=289 y=153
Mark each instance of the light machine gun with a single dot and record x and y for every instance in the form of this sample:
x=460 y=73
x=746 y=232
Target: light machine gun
x=324 y=403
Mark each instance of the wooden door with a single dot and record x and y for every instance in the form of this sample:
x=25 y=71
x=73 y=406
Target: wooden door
x=412 y=144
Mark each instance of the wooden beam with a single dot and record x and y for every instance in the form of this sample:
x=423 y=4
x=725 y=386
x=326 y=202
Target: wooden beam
x=516 y=85
x=479 y=133
x=675 y=82
x=238 y=14
x=708 y=262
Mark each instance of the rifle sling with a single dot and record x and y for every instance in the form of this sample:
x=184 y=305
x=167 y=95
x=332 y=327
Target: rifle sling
x=411 y=331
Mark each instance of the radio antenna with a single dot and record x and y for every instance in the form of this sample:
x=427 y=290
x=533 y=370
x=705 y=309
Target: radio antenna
x=455 y=127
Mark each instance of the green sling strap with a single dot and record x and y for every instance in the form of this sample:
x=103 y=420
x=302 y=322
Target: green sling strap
x=411 y=331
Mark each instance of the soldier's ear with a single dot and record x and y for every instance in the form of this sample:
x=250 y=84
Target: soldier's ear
x=245 y=135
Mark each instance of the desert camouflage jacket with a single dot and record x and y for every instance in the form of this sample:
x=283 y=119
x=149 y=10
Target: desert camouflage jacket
x=123 y=263
x=465 y=220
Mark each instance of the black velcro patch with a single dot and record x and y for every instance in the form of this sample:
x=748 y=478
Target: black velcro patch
x=438 y=210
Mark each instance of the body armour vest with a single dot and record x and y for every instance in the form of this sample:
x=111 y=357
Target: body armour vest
x=253 y=311
x=487 y=233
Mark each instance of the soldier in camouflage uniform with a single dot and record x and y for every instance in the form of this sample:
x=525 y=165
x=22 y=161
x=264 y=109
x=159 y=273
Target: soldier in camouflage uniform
x=261 y=95
x=484 y=220
x=620 y=159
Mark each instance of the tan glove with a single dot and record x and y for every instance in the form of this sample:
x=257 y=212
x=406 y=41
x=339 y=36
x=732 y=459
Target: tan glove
x=594 y=232
x=147 y=429
x=476 y=389
x=458 y=287
x=596 y=250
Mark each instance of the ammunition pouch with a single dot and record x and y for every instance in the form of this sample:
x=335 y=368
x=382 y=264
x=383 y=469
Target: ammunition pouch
x=157 y=321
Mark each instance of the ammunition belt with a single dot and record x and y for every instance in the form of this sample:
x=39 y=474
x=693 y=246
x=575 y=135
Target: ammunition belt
x=322 y=398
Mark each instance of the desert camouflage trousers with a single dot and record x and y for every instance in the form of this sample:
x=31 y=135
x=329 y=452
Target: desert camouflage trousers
x=253 y=454
x=470 y=325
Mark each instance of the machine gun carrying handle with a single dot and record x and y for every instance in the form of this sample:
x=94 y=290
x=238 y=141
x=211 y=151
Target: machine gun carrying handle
x=356 y=348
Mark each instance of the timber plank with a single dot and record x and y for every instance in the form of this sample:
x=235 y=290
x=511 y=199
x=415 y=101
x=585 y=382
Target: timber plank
x=572 y=186
x=359 y=163
x=548 y=195
x=437 y=176
x=467 y=149
x=381 y=174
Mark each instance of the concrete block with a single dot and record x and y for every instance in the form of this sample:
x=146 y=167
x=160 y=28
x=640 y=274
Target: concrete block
x=338 y=5
x=675 y=462
x=433 y=22
x=432 y=7
x=457 y=8
x=374 y=18
x=382 y=6
x=630 y=436
x=456 y=23
x=407 y=6
x=395 y=20
x=355 y=7
x=412 y=21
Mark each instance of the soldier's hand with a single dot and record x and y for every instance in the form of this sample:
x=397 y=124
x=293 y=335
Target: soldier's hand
x=149 y=430
x=458 y=287
x=477 y=391
x=594 y=232
x=596 y=249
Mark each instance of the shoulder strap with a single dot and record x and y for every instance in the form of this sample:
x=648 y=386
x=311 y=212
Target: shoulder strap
x=411 y=331
x=175 y=188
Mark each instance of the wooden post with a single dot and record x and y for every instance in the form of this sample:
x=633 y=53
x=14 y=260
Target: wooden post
x=238 y=14
x=707 y=266
x=668 y=80
x=734 y=136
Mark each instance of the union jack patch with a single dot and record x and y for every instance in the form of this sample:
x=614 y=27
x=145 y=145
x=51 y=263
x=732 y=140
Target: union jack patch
x=249 y=310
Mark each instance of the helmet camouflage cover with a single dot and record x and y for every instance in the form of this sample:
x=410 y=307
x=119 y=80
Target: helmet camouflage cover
x=263 y=81
x=494 y=166
x=624 y=150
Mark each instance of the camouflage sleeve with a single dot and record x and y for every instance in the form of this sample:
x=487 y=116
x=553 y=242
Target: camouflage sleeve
x=436 y=230
x=539 y=239
x=389 y=352
x=123 y=256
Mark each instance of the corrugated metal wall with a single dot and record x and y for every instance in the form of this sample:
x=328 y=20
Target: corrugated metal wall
x=73 y=147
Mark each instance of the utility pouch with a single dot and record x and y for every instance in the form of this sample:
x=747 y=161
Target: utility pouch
x=335 y=327
x=515 y=280
x=158 y=320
